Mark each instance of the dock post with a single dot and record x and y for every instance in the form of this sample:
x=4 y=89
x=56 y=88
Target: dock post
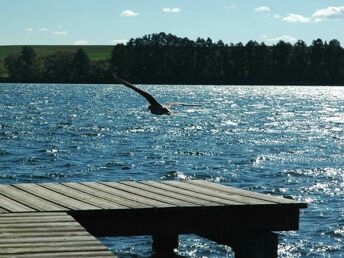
x=258 y=245
x=164 y=245
x=248 y=244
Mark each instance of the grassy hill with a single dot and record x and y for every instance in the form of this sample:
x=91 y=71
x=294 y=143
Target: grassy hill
x=94 y=52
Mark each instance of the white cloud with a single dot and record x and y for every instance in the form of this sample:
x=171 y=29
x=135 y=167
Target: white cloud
x=331 y=12
x=60 y=33
x=171 y=10
x=32 y=29
x=292 y=17
x=285 y=38
x=262 y=9
x=119 y=41
x=128 y=13
x=81 y=42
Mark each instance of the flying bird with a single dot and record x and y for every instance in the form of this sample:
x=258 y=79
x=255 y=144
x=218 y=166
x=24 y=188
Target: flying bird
x=155 y=107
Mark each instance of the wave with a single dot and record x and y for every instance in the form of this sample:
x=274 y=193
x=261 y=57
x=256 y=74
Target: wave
x=5 y=153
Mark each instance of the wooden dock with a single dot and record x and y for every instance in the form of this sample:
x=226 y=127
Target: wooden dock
x=63 y=219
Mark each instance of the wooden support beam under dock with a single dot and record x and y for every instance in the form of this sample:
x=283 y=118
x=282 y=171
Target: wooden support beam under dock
x=63 y=219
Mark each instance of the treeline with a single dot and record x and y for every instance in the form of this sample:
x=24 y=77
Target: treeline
x=59 y=67
x=167 y=59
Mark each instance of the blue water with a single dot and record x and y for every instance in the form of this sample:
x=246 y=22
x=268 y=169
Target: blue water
x=285 y=141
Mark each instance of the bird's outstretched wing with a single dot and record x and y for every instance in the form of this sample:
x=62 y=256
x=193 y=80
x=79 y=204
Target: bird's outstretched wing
x=170 y=104
x=146 y=95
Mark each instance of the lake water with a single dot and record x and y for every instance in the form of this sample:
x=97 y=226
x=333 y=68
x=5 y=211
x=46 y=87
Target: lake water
x=285 y=141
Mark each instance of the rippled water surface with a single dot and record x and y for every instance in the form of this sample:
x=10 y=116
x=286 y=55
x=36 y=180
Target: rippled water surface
x=278 y=140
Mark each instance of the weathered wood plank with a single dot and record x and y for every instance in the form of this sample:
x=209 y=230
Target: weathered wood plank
x=242 y=192
x=81 y=254
x=31 y=214
x=187 y=193
x=218 y=194
x=57 y=228
x=151 y=188
x=150 y=193
x=82 y=196
x=43 y=234
x=63 y=200
x=30 y=200
x=3 y=211
x=38 y=219
x=42 y=225
x=107 y=196
x=47 y=238
x=165 y=190
x=37 y=223
x=18 y=240
x=128 y=195
x=54 y=247
x=154 y=197
x=12 y=206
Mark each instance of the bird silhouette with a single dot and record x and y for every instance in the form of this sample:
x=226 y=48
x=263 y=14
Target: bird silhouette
x=155 y=107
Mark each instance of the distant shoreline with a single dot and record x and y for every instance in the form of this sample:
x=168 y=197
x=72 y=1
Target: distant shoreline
x=167 y=59
x=2 y=81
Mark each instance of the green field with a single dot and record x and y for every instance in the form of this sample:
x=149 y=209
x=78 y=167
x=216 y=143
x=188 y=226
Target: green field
x=94 y=52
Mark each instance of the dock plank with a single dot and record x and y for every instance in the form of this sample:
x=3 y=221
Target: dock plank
x=29 y=240
x=45 y=228
x=165 y=202
x=28 y=234
x=26 y=219
x=3 y=211
x=82 y=196
x=258 y=196
x=30 y=200
x=149 y=192
x=31 y=214
x=151 y=188
x=41 y=239
x=13 y=206
x=107 y=196
x=79 y=254
x=218 y=194
x=44 y=247
x=128 y=195
x=187 y=193
x=63 y=200
x=166 y=190
x=43 y=225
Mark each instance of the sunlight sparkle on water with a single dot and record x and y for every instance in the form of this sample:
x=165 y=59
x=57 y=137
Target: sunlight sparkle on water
x=286 y=141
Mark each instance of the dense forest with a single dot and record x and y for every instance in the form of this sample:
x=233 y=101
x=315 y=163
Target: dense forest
x=168 y=59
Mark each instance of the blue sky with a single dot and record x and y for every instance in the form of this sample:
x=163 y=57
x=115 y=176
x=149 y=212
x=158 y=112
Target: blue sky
x=105 y=22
